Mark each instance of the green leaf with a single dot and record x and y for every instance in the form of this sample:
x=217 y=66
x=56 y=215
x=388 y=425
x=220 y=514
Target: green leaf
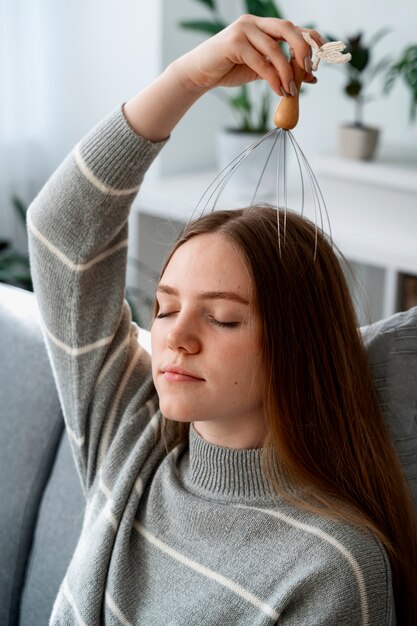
x=389 y=80
x=353 y=88
x=209 y=3
x=410 y=68
x=20 y=208
x=378 y=68
x=242 y=107
x=330 y=37
x=360 y=57
x=264 y=112
x=413 y=110
x=378 y=35
x=241 y=101
x=406 y=66
x=210 y=28
x=263 y=8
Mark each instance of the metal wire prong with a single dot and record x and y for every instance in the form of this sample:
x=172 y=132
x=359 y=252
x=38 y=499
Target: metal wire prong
x=225 y=171
x=277 y=131
x=292 y=139
x=317 y=187
x=285 y=185
x=282 y=137
x=278 y=220
x=244 y=155
x=317 y=194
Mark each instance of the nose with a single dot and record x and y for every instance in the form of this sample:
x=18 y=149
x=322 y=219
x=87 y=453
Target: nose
x=183 y=337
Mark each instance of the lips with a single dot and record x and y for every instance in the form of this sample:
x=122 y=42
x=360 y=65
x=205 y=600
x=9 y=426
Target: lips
x=174 y=372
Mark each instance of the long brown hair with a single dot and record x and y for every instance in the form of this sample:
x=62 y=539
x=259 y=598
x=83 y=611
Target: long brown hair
x=324 y=429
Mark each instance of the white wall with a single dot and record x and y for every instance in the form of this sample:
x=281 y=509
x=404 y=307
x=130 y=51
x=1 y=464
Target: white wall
x=99 y=56
x=63 y=66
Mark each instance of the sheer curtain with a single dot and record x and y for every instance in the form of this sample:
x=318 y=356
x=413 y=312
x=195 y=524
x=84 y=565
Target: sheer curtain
x=23 y=163
x=63 y=66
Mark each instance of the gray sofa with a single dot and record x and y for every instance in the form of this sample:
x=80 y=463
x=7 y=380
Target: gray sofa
x=42 y=504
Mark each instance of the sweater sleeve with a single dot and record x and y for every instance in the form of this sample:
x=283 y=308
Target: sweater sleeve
x=78 y=229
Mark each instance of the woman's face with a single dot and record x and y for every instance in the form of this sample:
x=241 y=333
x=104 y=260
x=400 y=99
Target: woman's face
x=207 y=326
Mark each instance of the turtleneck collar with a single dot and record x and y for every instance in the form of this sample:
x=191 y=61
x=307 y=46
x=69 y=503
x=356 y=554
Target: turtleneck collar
x=227 y=474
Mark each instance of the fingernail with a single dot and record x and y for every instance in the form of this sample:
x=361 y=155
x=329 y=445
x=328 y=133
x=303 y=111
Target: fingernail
x=293 y=88
x=307 y=64
x=284 y=93
x=314 y=80
x=292 y=53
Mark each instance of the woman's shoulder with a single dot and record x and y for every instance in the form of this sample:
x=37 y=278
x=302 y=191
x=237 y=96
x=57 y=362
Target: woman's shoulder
x=346 y=561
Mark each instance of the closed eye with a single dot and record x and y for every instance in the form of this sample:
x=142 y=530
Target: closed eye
x=212 y=321
x=224 y=324
x=160 y=316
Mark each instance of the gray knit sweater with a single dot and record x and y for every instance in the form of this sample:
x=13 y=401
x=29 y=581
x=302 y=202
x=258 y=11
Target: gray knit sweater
x=195 y=537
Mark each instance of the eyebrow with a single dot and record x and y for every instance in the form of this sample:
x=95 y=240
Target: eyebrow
x=206 y=295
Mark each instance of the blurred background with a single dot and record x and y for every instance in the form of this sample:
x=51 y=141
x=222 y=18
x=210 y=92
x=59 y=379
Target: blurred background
x=65 y=65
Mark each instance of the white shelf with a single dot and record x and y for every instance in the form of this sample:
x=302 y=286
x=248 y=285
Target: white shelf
x=394 y=168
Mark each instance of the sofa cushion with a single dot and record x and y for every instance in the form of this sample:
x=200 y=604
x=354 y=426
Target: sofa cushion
x=31 y=426
x=392 y=350
x=57 y=532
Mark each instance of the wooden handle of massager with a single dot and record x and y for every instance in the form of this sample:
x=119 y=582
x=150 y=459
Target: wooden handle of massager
x=287 y=112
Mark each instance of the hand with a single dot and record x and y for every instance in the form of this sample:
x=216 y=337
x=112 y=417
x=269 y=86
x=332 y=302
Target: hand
x=247 y=50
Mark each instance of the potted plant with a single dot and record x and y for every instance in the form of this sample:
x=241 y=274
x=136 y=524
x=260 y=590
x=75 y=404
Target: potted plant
x=358 y=140
x=406 y=66
x=250 y=105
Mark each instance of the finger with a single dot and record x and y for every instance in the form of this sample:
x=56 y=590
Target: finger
x=284 y=30
x=309 y=78
x=263 y=68
x=269 y=48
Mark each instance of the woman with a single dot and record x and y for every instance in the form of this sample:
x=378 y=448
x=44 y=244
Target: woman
x=241 y=477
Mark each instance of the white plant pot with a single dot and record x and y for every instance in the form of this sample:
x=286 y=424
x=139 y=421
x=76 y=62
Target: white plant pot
x=243 y=182
x=358 y=142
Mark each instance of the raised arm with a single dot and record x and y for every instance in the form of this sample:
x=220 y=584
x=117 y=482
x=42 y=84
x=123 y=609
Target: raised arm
x=244 y=51
x=78 y=239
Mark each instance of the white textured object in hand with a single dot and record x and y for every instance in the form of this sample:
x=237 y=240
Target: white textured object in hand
x=331 y=52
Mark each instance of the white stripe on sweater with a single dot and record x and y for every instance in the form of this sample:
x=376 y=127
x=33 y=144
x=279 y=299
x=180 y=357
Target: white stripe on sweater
x=92 y=178
x=107 y=510
x=205 y=571
x=321 y=534
x=79 y=441
x=112 y=359
x=77 y=351
x=109 y=424
x=76 y=267
x=69 y=597
x=116 y=611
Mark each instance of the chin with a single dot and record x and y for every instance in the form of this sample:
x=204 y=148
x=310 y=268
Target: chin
x=175 y=413
x=185 y=420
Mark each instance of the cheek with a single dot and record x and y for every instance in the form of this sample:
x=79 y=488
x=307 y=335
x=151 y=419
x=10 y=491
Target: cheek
x=156 y=337
x=239 y=363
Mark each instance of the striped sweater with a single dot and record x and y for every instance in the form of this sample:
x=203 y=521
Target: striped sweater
x=190 y=538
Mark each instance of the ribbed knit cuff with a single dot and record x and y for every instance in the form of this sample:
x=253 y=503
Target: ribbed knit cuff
x=116 y=154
